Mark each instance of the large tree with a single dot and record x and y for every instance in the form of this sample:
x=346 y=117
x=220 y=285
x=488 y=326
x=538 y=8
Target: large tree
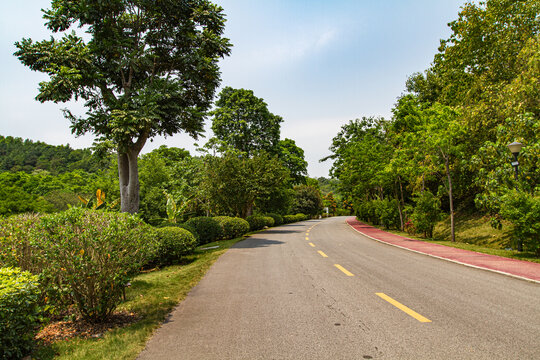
x=148 y=68
x=242 y=120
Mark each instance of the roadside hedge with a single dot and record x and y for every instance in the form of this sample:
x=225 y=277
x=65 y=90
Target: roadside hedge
x=94 y=253
x=278 y=219
x=294 y=218
x=208 y=229
x=19 y=312
x=258 y=222
x=173 y=244
x=233 y=227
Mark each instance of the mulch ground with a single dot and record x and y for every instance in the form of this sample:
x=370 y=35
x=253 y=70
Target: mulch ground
x=66 y=329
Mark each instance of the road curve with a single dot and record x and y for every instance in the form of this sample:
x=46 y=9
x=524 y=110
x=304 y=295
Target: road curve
x=320 y=290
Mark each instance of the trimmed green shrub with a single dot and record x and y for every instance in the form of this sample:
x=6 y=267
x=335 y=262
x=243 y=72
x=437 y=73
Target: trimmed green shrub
x=301 y=217
x=294 y=218
x=185 y=226
x=208 y=229
x=287 y=219
x=278 y=219
x=174 y=242
x=94 y=253
x=19 y=312
x=258 y=222
x=233 y=227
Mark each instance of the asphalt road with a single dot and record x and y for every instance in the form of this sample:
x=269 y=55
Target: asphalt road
x=331 y=293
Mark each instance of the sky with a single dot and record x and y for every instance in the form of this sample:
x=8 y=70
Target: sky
x=316 y=63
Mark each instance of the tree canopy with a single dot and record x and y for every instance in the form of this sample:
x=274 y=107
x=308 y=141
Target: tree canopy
x=243 y=121
x=149 y=68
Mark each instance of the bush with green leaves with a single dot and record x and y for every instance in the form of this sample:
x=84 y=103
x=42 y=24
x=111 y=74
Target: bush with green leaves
x=388 y=213
x=19 y=312
x=523 y=211
x=287 y=219
x=278 y=219
x=233 y=227
x=426 y=213
x=173 y=244
x=208 y=229
x=15 y=247
x=258 y=222
x=94 y=253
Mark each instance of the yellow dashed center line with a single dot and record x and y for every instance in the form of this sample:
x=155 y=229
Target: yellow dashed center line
x=307 y=238
x=312 y=244
x=403 y=308
x=322 y=254
x=345 y=271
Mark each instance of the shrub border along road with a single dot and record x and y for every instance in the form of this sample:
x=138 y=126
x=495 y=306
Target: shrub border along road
x=152 y=296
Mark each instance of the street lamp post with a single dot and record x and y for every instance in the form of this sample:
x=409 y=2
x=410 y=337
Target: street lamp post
x=515 y=148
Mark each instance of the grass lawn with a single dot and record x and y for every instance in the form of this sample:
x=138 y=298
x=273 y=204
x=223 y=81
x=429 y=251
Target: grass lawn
x=474 y=233
x=152 y=296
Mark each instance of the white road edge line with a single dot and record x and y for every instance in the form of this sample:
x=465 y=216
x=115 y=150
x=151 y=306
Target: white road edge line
x=442 y=258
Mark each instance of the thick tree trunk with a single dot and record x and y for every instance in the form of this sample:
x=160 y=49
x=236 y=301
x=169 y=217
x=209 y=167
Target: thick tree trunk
x=128 y=172
x=451 y=199
x=128 y=175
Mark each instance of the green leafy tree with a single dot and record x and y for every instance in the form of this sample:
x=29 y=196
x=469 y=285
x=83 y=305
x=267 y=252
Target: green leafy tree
x=242 y=120
x=292 y=157
x=149 y=68
x=232 y=182
x=307 y=200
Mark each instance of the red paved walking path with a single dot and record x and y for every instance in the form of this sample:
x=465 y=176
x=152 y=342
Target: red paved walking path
x=517 y=268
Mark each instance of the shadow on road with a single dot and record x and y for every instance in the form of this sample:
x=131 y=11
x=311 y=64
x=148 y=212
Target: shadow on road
x=281 y=231
x=252 y=243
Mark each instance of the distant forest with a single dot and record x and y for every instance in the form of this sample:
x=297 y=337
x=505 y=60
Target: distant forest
x=17 y=154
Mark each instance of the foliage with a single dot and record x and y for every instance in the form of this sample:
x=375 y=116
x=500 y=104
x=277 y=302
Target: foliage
x=242 y=121
x=294 y=218
x=94 y=253
x=523 y=211
x=292 y=157
x=258 y=222
x=17 y=154
x=233 y=227
x=208 y=229
x=100 y=203
x=307 y=200
x=173 y=244
x=278 y=219
x=233 y=182
x=426 y=213
x=19 y=312
x=147 y=69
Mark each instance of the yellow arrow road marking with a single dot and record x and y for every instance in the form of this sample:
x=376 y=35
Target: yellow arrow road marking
x=403 y=308
x=345 y=271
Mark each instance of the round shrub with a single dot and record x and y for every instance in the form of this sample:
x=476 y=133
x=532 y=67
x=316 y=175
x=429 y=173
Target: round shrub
x=268 y=221
x=278 y=219
x=208 y=229
x=185 y=226
x=94 y=253
x=287 y=219
x=256 y=222
x=233 y=227
x=301 y=217
x=19 y=312
x=173 y=243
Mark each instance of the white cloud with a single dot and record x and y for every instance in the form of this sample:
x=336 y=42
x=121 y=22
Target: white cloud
x=290 y=49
